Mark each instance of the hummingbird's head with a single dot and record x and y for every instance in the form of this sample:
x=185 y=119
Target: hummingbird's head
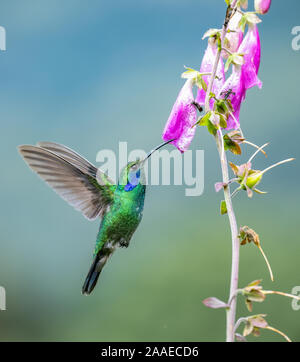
x=133 y=173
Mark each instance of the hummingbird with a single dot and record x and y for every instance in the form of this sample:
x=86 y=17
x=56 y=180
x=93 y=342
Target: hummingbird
x=88 y=189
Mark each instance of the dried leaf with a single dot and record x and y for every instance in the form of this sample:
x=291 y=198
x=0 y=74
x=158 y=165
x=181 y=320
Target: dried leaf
x=254 y=295
x=260 y=192
x=231 y=145
x=219 y=186
x=234 y=168
x=249 y=235
x=249 y=192
x=249 y=305
x=248 y=329
x=240 y=338
x=254 y=283
x=259 y=322
x=256 y=332
x=236 y=136
x=214 y=303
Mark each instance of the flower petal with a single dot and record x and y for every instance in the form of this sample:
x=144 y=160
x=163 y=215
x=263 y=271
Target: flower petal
x=251 y=49
x=182 y=119
x=236 y=85
x=207 y=67
x=235 y=36
x=262 y=6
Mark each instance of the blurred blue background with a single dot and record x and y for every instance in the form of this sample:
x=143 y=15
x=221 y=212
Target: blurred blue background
x=89 y=74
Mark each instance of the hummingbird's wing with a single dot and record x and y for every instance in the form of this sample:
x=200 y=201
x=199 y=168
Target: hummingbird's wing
x=75 y=159
x=74 y=178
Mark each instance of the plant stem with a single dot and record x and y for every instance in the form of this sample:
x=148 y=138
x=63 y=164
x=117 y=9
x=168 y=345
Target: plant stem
x=231 y=312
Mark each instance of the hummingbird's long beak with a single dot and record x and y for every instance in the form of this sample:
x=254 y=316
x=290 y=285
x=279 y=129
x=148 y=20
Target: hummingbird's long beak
x=155 y=149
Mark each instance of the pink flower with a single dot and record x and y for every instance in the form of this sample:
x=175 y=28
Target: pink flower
x=235 y=86
x=250 y=47
x=235 y=36
x=262 y=6
x=207 y=67
x=182 y=119
x=243 y=77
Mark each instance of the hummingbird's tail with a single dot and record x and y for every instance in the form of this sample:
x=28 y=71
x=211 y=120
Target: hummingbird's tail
x=94 y=272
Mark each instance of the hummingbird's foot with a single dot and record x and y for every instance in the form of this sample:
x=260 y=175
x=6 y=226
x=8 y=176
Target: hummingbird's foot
x=123 y=243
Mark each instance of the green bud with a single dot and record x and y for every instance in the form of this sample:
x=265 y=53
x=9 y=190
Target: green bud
x=254 y=179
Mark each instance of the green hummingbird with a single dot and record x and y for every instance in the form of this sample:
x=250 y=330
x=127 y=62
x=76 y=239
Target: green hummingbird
x=92 y=192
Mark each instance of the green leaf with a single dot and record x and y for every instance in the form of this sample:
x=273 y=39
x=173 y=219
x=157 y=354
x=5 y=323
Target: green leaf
x=221 y=107
x=211 y=32
x=223 y=120
x=223 y=207
x=254 y=283
x=211 y=128
x=243 y=23
x=203 y=84
x=231 y=145
x=190 y=73
x=212 y=95
x=252 y=18
x=234 y=58
x=219 y=43
x=205 y=119
x=238 y=59
x=228 y=63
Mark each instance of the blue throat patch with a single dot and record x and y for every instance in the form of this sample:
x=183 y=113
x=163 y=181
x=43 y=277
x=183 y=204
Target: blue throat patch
x=133 y=180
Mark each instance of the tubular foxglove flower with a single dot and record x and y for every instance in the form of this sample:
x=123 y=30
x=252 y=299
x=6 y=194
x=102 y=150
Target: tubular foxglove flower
x=235 y=36
x=207 y=67
x=182 y=119
x=235 y=87
x=262 y=6
x=251 y=49
x=243 y=77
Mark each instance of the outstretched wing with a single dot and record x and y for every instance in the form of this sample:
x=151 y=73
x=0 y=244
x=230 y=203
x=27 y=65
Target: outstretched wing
x=74 y=178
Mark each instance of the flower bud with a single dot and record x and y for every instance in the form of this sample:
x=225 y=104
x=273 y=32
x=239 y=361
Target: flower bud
x=254 y=179
x=262 y=6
